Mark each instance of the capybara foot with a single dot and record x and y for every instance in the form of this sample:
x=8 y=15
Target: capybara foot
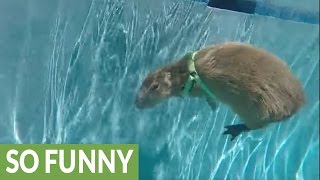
x=235 y=130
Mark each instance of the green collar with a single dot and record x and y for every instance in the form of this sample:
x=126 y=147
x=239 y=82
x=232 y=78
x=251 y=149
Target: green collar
x=194 y=78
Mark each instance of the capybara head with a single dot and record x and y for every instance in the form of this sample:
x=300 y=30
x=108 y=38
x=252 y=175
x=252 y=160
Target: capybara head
x=156 y=87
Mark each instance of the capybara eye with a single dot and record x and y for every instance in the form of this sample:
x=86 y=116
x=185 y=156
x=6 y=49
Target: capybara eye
x=155 y=87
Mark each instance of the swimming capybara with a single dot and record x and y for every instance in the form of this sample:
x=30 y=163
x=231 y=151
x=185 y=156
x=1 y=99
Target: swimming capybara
x=256 y=84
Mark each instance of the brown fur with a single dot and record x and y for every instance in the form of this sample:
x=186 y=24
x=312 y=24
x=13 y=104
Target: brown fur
x=257 y=85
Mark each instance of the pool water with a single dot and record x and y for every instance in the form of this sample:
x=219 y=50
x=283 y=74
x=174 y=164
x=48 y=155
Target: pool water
x=69 y=72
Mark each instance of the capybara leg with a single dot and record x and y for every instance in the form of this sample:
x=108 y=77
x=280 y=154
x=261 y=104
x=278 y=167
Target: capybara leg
x=212 y=103
x=235 y=130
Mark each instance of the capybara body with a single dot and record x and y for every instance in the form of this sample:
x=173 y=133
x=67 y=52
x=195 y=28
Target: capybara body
x=256 y=84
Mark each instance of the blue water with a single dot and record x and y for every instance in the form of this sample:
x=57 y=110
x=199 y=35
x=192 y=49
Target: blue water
x=69 y=71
